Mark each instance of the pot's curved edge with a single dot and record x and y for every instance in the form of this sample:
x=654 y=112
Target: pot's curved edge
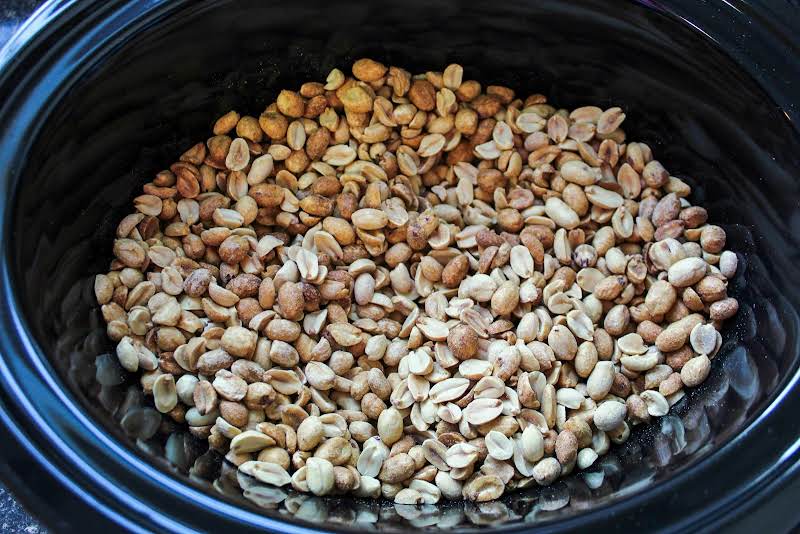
x=23 y=464
x=20 y=464
x=10 y=473
x=19 y=469
x=26 y=37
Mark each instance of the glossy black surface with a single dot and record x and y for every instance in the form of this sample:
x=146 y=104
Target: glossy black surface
x=125 y=87
x=13 y=518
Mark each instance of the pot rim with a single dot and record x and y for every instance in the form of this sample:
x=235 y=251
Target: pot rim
x=30 y=64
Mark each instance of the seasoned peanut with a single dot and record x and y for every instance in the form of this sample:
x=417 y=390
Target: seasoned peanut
x=416 y=287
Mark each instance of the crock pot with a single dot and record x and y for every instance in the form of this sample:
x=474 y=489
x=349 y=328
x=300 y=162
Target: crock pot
x=98 y=96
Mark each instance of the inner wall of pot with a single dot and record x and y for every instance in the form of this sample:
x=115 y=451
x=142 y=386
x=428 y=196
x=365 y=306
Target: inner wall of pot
x=161 y=92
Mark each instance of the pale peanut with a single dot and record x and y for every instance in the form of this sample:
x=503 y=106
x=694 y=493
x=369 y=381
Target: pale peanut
x=416 y=287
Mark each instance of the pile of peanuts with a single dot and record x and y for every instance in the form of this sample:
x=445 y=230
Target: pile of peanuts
x=416 y=287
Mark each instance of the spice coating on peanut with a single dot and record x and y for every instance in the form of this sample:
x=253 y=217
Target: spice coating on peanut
x=416 y=287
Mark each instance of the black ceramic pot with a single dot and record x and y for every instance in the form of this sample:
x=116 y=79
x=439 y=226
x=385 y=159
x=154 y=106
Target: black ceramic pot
x=97 y=97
